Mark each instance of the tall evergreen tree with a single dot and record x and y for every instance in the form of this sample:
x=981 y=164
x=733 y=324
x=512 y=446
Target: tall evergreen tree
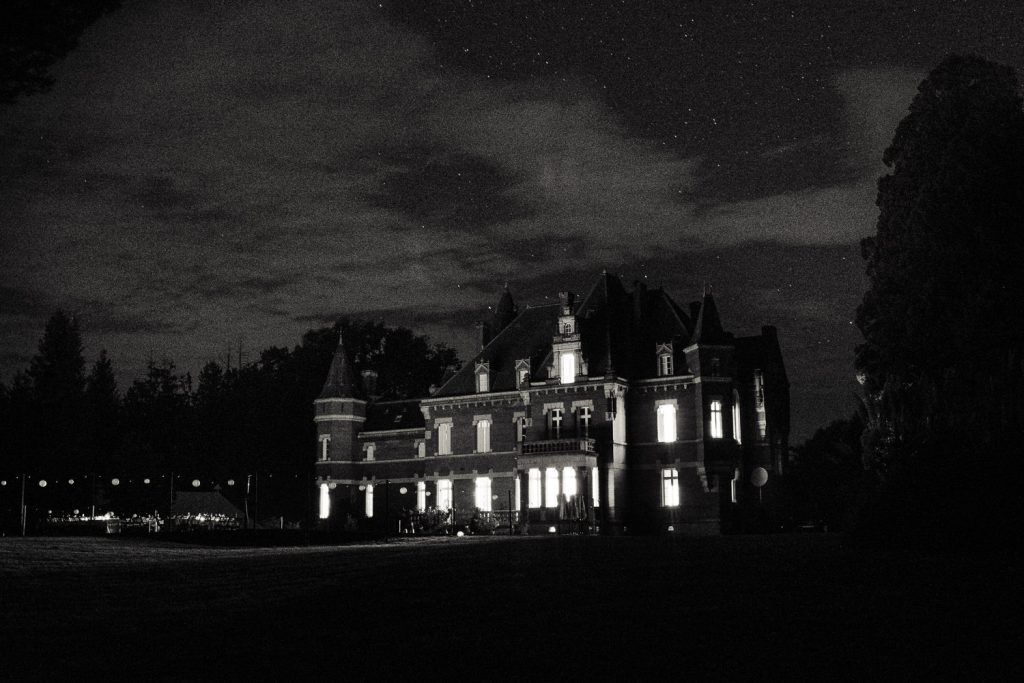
x=942 y=323
x=58 y=383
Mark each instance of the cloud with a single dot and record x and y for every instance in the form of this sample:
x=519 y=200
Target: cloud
x=875 y=100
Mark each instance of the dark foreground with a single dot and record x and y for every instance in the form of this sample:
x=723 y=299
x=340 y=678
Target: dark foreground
x=805 y=606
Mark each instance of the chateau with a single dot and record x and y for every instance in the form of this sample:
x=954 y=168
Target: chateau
x=618 y=411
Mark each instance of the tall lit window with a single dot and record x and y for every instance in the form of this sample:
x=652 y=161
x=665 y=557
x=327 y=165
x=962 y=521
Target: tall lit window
x=737 y=432
x=444 y=494
x=762 y=419
x=567 y=369
x=555 y=417
x=715 y=425
x=324 y=441
x=325 y=501
x=482 y=495
x=369 y=500
x=666 y=423
x=518 y=494
x=585 y=415
x=370 y=451
x=670 y=487
x=595 y=489
x=569 y=481
x=551 y=487
x=444 y=438
x=421 y=495
x=533 y=494
x=665 y=365
x=482 y=381
x=421 y=449
x=523 y=378
x=483 y=436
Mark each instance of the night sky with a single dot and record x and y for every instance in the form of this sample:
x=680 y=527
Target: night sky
x=204 y=174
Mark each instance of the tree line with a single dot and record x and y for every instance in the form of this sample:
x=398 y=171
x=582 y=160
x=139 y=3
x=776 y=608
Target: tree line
x=60 y=420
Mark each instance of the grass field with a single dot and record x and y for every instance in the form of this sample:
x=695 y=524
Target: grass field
x=569 y=608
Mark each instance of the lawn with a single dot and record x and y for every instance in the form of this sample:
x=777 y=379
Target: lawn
x=802 y=606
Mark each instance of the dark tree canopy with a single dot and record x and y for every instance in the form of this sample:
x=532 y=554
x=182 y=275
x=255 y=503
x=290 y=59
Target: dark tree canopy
x=942 y=319
x=34 y=34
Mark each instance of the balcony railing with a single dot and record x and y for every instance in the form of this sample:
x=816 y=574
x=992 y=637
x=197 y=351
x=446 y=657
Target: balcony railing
x=572 y=445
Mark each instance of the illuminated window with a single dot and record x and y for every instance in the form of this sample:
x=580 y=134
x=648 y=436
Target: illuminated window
x=483 y=436
x=369 y=451
x=444 y=494
x=421 y=495
x=421 y=449
x=665 y=365
x=324 y=440
x=715 y=426
x=567 y=368
x=595 y=489
x=666 y=423
x=482 y=498
x=569 y=481
x=670 y=487
x=325 y=501
x=444 y=438
x=734 y=486
x=524 y=378
x=518 y=494
x=551 y=487
x=520 y=429
x=533 y=494
x=737 y=432
x=369 y=500
x=762 y=420
x=585 y=415
x=555 y=417
x=482 y=381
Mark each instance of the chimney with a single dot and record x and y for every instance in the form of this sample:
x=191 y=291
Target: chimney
x=485 y=334
x=370 y=383
x=639 y=291
x=567 y=299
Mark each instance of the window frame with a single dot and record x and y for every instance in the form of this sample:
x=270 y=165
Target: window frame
x=670 y=493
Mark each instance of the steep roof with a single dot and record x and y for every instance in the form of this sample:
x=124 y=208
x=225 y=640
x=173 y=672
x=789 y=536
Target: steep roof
x=385 y=415
x=708 y=328
x=339 y=382
x=528 y=336
x=619 y=331
x=505 y=312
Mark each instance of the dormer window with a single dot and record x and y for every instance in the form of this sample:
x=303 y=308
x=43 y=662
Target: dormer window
x=522 y=373
x=483 y=377
x=567 y=368
x=665 y=365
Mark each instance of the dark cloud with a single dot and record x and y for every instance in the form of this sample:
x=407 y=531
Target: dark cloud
x=452 y=191
x=15 y=301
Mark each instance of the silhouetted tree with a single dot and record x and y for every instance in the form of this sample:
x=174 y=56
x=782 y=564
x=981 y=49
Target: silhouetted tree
x=58 y=383
x=942 y=322
x=102 y=419
x=37 y=33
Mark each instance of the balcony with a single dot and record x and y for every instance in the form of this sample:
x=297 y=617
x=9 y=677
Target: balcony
x=558 y=446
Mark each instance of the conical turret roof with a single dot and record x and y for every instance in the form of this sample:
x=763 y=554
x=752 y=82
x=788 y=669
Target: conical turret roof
x=339 y=382
x=505 y=312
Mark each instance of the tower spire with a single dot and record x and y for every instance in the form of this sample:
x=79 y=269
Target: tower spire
x=339 y=382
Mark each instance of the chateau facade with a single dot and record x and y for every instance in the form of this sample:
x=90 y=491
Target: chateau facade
x=618 y=411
